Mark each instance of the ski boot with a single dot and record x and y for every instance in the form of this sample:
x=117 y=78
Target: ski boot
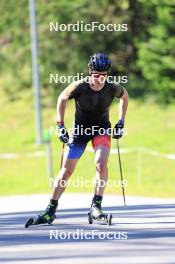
x=97 y=214
x=46 y=217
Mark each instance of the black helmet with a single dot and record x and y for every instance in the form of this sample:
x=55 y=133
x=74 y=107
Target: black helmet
x=99 y=62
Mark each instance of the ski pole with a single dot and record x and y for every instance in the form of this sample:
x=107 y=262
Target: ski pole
x=121 y=174
x=62 y=155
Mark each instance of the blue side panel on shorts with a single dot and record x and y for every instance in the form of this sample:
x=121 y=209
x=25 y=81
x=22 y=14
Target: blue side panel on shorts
x=74 y=150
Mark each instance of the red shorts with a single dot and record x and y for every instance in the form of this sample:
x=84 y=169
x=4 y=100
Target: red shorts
x=104 y=140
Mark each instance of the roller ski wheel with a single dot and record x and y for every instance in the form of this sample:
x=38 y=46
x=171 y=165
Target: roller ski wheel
x=90 y=218
x=109 y=219
x=46 y=217
x=102 y=219
x=29 y=222
x=40 y=220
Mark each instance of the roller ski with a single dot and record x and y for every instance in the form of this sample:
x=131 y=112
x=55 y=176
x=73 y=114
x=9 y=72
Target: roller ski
x=96 y=214
x=47 y=217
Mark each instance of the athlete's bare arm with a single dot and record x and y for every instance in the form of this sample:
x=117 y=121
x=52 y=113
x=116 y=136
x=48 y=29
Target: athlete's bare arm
x=123 y=105
x=62 y=100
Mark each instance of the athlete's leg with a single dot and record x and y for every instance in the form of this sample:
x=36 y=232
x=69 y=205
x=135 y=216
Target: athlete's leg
x=101 y=145
x=63 y=176
x=72 y=154
x=71 y=157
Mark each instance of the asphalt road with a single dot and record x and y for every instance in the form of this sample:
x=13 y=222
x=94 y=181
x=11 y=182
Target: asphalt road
x=142 y=232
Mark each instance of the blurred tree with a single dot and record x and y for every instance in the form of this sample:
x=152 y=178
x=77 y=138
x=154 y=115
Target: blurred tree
x=15 y=64
x=145 y=52
x=156 y=53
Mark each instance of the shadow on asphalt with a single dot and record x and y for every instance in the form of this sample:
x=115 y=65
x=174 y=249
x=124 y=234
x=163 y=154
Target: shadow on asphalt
x=12 y=231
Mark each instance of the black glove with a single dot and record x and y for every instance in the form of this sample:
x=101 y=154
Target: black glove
x=62 y=133
x=118 y=129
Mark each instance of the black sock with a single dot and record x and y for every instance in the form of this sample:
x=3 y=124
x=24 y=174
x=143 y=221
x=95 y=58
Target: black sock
x=97 y=199
x=54 y=202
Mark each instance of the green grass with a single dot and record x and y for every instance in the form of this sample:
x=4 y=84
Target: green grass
x=149 y=125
